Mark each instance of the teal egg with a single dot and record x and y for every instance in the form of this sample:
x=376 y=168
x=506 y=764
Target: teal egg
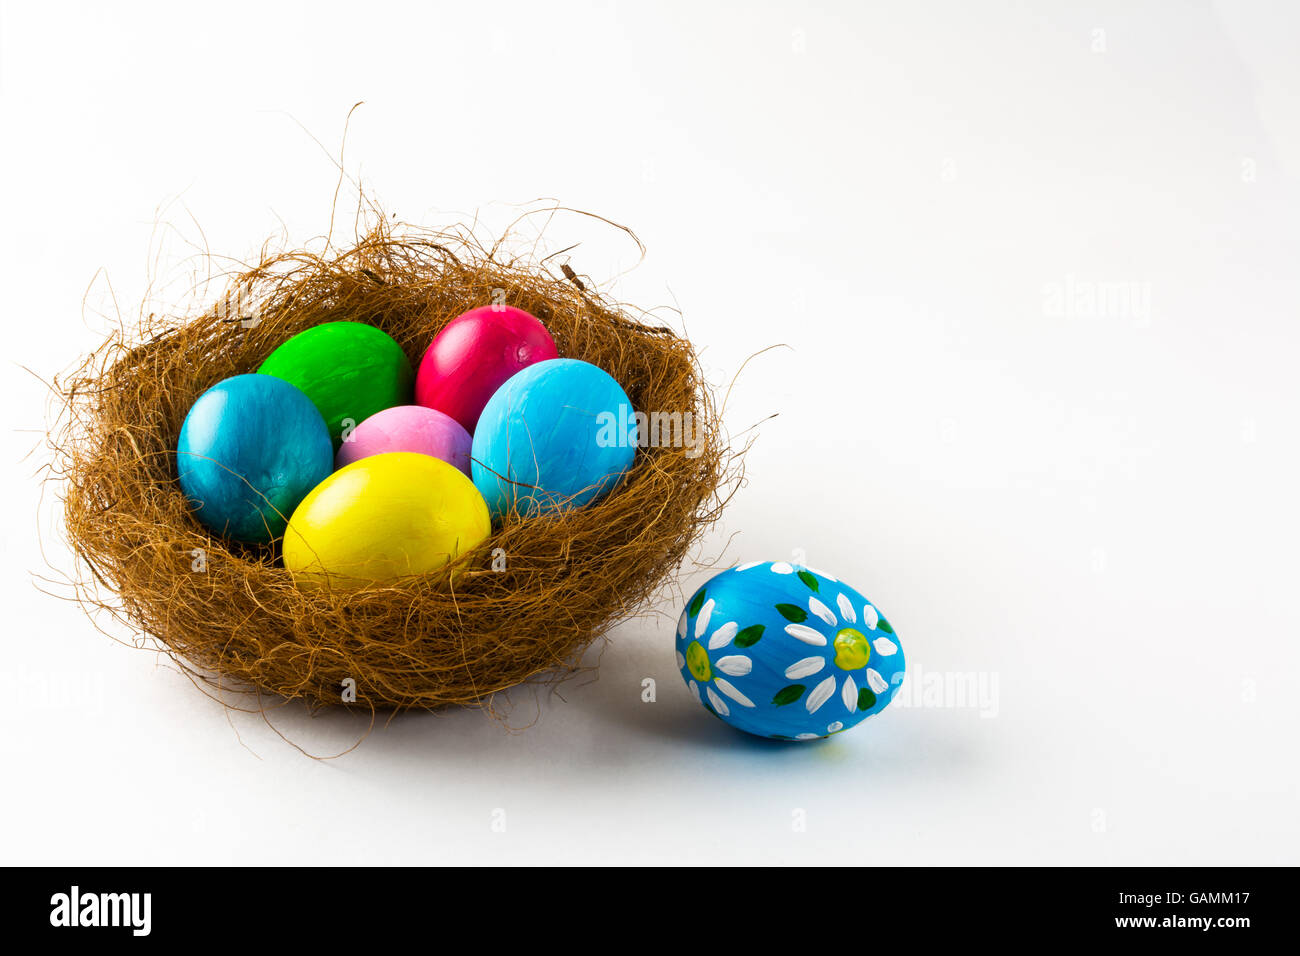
x=250 y=449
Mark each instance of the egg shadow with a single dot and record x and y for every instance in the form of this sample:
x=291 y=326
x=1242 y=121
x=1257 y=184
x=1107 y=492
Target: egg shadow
x=673 y=715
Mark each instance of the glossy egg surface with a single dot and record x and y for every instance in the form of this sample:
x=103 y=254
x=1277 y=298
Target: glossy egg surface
x=250 y=449
x=407 y=428
x=384 y=517
x=474 y=355
x=350 y=370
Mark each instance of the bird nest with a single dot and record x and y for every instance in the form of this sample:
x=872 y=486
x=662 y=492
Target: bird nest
x=525 y=605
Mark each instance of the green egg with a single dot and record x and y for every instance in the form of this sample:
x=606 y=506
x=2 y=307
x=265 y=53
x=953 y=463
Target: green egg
x=349 y=370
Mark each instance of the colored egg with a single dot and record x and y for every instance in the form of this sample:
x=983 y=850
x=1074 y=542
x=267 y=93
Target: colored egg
x=250 y=449
x=407 y=428
x=474 y=355
x=559 y=434
x=349 y=369
x=384 y=517
x=784 y=651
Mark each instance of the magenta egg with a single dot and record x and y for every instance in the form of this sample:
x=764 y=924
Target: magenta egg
x=407 y=428
x=474 y=355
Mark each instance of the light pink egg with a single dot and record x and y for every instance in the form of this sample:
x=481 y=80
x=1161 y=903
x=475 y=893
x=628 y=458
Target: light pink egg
x=407 y=428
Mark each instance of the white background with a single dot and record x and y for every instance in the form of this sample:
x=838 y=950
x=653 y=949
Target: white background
x=1093 y=511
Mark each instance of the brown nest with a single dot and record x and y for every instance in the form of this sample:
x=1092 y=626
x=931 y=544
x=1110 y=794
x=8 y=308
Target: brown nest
x=231 y=615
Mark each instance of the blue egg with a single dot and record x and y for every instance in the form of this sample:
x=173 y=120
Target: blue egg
x=560 y=433
x=250 y=449
x=784 y=651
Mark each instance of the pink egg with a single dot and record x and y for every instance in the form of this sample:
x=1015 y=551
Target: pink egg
x=407 y=428
x=474 y=355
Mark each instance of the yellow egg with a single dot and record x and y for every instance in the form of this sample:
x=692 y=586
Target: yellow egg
x=383 y=517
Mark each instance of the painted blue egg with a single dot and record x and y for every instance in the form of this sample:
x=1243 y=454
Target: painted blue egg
x=561 y=433
x=250 y=449
x=784 y=651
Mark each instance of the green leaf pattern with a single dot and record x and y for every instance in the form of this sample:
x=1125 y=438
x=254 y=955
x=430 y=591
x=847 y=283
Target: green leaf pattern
x=697 y=602
x=788 y=695
x=792 y=613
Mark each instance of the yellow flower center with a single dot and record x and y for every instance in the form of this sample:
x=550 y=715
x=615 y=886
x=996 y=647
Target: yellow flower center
x=852 y=650
x=697 y=662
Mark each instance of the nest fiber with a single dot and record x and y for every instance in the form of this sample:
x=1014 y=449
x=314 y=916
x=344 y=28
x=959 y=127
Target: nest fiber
x=527 y=604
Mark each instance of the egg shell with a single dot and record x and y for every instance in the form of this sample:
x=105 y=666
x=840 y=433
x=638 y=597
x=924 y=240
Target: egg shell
x=559 y=434
x=783 y=651
x=384 y=517
x=250 y=449
x=407 y=428
x=474 y=355
x=349 y=369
